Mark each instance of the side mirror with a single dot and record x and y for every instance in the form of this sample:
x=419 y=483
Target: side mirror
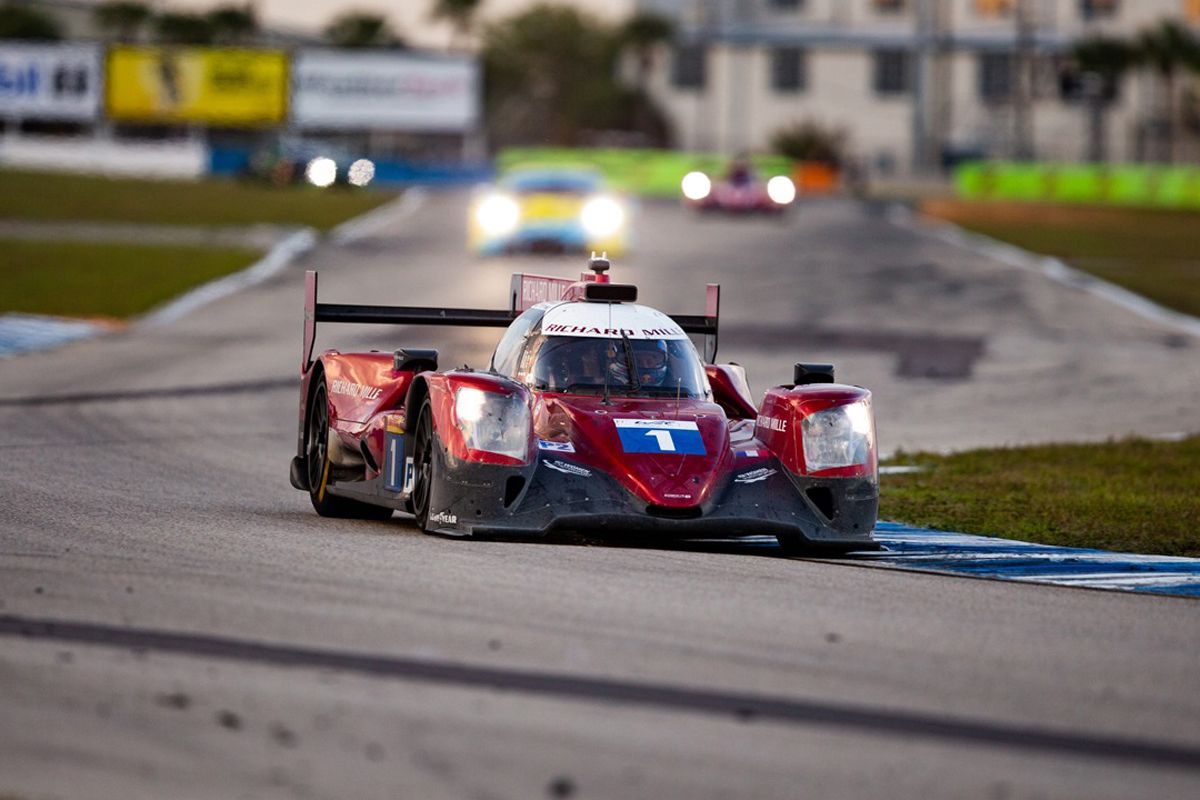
x=805 y=374
x=412 y=360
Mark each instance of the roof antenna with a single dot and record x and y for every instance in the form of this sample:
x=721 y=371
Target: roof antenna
x=600 y=265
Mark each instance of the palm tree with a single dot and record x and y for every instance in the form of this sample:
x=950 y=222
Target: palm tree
x=19 y=22
x=460 y=13
x=180 y=28
x=1166 y=49
x=233 y=24
x=1103 y=62
x=642 y=33
x=122 y=20
x=360 y=29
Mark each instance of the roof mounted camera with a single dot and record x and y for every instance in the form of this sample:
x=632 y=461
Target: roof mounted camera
x=599 y=265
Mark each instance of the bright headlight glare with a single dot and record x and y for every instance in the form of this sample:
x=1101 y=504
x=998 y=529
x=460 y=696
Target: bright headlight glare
x=321 y=171
x=696 y=186
x=602 y=216
x=843 y=436
x=781 y=190
x=493 y=422
x=498 y=215
x=361 y=172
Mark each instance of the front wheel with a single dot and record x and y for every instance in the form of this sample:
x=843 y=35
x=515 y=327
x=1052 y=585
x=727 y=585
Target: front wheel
x=423 y=466
x=316 y=452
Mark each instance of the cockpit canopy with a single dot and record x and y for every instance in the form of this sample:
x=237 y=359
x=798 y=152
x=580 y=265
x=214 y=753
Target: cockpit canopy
x=541 y=350
x=652 y=367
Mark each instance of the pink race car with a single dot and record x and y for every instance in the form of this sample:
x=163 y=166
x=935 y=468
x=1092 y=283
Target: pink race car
x=740 y=192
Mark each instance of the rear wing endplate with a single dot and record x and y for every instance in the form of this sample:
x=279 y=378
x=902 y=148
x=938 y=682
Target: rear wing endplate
x=527 y=291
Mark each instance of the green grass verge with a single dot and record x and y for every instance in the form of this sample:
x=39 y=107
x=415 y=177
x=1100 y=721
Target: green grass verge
x=84 y=279
x=55 y=197
x=1153 y=253
x=1135 y=495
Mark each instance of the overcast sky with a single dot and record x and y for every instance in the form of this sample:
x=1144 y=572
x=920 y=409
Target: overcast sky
x=410 y=17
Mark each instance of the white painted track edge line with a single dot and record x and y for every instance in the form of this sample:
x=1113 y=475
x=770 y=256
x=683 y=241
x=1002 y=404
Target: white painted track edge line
x=375 y=220
x=1053 y=268
x=283 y=253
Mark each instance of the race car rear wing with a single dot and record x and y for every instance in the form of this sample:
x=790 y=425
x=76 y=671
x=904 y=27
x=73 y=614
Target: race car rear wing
x=527 y=291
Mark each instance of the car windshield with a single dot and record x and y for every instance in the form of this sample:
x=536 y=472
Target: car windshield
x=572 y=183
x=646 y=367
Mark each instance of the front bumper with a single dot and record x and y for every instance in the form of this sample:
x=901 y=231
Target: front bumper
x=559 y=237
x=484 y=500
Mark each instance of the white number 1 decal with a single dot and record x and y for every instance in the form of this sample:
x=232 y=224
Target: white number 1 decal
x=665 y=443
x=394 y=478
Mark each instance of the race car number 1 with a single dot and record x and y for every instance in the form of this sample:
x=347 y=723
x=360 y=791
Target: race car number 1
x=679 y=437
x=394 y=467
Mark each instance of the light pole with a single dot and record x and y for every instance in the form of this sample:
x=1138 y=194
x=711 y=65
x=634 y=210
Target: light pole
x=1023 y=90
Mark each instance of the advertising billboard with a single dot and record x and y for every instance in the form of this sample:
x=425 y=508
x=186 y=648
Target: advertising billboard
x=58 y=82
x=210 y=86
x=384 y=91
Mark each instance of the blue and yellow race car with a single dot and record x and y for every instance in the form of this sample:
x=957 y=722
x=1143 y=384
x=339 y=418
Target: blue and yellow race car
x=549 y=209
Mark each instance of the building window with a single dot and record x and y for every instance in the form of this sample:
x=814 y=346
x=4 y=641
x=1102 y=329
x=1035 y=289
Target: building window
x=893 y=71
x=1098 y=9
x=789 y=69
x=689 y=70
x=889 y=6
x=786 y=5
x=997 y=77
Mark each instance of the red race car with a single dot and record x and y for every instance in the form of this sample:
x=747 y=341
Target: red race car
x=595 y=414
x=739 y=192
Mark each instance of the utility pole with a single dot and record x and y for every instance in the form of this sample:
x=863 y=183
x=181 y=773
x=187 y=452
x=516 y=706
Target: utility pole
x=738 y=90
x=1023 y=90
x=927 y=89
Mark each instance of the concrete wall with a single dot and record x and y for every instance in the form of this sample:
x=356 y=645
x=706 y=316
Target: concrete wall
x=183 y=159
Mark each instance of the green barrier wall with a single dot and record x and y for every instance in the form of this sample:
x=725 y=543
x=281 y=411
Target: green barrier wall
x=646 y=172
x=1133 y=185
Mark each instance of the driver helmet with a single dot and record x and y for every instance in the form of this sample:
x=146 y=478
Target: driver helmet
x=650 y=358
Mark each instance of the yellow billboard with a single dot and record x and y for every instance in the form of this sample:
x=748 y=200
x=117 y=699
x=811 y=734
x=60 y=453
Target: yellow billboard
x=210 y=86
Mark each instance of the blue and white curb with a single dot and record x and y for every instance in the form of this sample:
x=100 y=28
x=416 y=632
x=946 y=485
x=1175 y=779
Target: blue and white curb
x=1005 y=559
x=23 y=333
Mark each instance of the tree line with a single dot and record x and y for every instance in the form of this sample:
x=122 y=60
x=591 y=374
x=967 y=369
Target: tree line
x=1168 y=50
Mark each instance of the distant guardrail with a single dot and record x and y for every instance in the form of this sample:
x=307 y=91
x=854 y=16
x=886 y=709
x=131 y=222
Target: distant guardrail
x=1099 y=184
x=657 y=173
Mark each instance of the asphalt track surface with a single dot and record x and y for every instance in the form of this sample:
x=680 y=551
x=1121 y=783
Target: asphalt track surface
x=176 y=622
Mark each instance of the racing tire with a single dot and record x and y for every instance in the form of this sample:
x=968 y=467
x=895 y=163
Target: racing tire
x=316 y=452
x=424 y=465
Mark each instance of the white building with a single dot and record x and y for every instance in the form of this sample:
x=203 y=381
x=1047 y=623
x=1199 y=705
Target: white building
x=890 y=73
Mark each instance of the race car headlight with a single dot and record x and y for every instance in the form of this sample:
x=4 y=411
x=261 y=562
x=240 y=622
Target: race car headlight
x=696 y=186
x=321 y=172
x=493 y=422
x=602 y=216
x=781 y=190
x=843 y=436
x=498 y=215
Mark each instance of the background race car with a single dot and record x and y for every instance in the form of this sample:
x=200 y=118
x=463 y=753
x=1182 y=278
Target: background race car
x=555 y=210
x=739 y=192
x=595 y=413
